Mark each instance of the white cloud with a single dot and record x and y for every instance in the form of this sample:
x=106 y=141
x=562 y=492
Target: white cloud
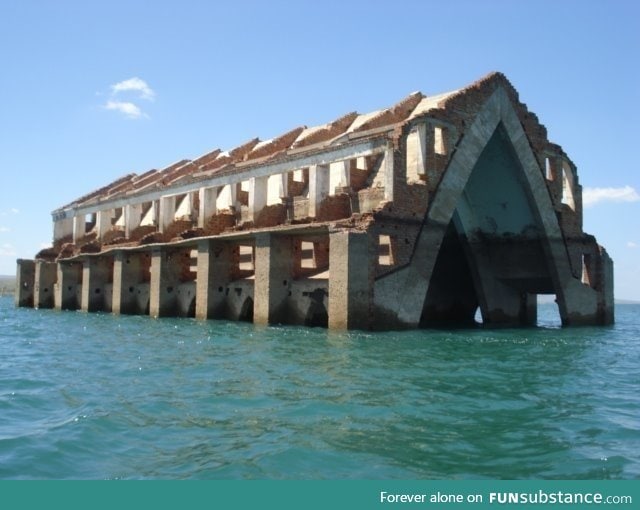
x=7 y=250
x=130 y=110
x=592 y=196
x=5 y=229
x=631 y=244
x=13 y=210
x=134 y=85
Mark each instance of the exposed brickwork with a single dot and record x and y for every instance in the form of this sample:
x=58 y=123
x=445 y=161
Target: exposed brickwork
x=335 y=207
x=139 y=232
x=242 y=197
x=358 y=178
x=176 y=228
x=297 y=188
x=335 y=128
x=276 y=145
x=48 y=254
x=271 y=215
x=218 y=223
x=105 y=190
x=393 y=115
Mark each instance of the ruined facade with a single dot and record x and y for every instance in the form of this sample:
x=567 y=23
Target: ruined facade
x=412 y=216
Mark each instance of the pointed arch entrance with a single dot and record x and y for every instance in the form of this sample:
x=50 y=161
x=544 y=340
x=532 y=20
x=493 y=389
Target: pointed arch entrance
x=492 y=205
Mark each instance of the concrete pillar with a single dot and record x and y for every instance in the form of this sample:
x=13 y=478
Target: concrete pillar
x=103 y=222
x=318 y=187
x=45 y=280
x=78 y=227
x=208 y=206
x=273 y=274
x=389 y=174
x=502 y=305
x=62 y=228
x=167 y=212
x=215 y=265
x=25 y=280
x=258 y=189
x=95 y=275
x=128 y=271
x=132 y=218
x=339 y=175
x=69 y=283
x=352 y=257
x=164 y=283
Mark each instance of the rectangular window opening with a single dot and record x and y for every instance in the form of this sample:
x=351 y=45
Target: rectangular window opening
x=246 y=258
x=567 y=187
x=307 y=255
x=298 y=175
x=548 y=171
x=385 y=250
x=439 y=142
x=193 y=261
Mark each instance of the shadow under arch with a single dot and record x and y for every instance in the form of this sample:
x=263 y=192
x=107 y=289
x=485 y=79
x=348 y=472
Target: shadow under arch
x=191 y=311
x=246 y=312
x=317 y=316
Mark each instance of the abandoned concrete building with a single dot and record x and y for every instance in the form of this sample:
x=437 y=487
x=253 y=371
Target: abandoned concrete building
x=412 y=216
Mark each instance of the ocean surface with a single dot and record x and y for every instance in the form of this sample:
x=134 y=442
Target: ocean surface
x=96 y=396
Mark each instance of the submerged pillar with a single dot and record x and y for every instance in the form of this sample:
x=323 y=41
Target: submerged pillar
x=274 y=258
x=130 y=290
x=215 y=265
x=69 y=283
x=164 y=284
x=95 y=276
x=25 y=279
x=351 y=273
x=45 y=279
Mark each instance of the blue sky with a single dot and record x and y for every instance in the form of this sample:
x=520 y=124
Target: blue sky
x=90 y=91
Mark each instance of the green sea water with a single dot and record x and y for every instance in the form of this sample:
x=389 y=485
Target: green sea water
x=101 y=397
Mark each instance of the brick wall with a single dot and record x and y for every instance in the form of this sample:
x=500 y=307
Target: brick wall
x=335 y=207
x=270 y=216
x=220 y=222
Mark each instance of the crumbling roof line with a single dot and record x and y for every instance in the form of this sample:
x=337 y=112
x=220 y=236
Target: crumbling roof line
x=254 y=157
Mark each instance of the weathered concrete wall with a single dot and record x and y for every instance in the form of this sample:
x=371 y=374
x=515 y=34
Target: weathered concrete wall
x=68 y=287
x=25 y=281
x=131 y=276
x=273 y=277
x=97 y=273
x=351 y=266
x=46 y=274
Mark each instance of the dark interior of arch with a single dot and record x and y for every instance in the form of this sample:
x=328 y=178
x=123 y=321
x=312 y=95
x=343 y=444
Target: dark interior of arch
x=493 y=241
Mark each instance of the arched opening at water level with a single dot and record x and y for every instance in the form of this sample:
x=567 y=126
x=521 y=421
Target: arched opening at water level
x=246 y=312
x=493 y=255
